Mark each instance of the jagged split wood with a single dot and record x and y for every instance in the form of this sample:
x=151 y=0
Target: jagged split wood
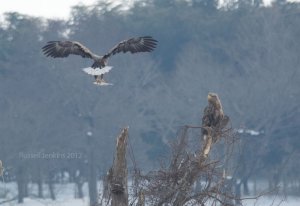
x=117 y=177
x=207 y=143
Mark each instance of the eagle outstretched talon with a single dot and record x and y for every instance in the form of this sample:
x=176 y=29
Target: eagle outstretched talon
x=60 y=49
x=99 y=79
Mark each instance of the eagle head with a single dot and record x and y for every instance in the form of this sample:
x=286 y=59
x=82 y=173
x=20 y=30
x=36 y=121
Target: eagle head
x=213 y=99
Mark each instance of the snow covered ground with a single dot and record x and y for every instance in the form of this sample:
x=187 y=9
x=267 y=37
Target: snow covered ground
x=84 y=202
x=65 y=197
x=274 y=201
x=64 y=193
x=47 y=202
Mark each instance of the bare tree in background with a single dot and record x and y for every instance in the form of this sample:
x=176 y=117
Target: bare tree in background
x=1 y=169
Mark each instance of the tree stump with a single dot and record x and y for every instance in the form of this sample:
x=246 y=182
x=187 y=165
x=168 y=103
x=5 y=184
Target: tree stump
x=118 y=178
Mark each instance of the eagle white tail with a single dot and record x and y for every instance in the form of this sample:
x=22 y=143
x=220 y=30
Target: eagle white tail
x=97 y=71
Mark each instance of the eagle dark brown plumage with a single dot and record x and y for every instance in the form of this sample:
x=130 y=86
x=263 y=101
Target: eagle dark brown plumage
x=213 y=116
x=60 y=49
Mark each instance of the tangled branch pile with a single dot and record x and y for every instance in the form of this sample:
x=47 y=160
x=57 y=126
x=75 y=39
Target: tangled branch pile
x=193 y=175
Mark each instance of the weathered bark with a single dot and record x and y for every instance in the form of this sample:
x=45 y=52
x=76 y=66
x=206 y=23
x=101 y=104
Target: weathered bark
x=118 y=177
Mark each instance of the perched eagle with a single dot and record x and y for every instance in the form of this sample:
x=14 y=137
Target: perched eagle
x=65 y=48
x=213 y=117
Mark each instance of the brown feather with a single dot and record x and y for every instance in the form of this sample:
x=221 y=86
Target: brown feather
x=65 y=48
x=133 y=45
x=213 y=114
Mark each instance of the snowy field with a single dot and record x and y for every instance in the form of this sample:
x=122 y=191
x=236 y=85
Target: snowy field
x=79 y=202
x=274 y=201
x=65 y=197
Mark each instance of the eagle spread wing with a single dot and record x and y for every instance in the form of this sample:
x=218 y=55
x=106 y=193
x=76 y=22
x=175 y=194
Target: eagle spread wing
x=65 y=48
x=133 y=45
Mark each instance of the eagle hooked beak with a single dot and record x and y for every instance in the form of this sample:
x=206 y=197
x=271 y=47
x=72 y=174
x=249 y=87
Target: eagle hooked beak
x=212 y=97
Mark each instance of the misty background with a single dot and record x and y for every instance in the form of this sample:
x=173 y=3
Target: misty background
x=246 y=53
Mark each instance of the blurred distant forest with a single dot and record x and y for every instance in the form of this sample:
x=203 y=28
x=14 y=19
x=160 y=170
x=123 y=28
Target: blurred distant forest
x=246 y=53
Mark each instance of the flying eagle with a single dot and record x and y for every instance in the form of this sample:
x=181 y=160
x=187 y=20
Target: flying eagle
x=65 y=48
x=213 y=117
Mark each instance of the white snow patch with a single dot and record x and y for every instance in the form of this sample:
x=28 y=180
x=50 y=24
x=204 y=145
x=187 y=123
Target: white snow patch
x=252 y=132
x=249 y=131
x=273 y=200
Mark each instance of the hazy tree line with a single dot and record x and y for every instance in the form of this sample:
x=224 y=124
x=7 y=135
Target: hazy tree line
x=53 y=119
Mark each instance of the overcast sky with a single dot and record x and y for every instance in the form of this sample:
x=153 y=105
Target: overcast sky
x=45 y=8
x=52 y=8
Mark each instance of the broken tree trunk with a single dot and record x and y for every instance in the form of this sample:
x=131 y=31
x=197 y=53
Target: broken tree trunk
x=118 y=176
